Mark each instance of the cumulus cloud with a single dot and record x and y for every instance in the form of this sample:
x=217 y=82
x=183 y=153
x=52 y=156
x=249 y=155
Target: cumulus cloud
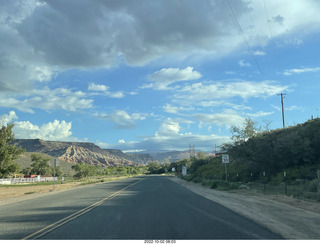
x=8 y=118
x=42 y=38
x=163 y=78
x=97 y=87
x=121 y=118
x=60 y=34
x=168 y=127
x=56 y=130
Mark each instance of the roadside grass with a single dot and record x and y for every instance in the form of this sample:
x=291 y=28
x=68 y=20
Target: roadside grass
x=213 y=183
x=305 y=190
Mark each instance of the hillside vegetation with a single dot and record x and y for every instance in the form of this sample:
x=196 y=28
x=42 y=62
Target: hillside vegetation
x=282 y=156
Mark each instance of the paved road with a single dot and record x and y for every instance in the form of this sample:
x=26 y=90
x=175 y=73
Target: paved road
x=148 y=207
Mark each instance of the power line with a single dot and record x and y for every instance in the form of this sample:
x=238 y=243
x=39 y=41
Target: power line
x=191 y=151
x=266 y=11
x=244 y=37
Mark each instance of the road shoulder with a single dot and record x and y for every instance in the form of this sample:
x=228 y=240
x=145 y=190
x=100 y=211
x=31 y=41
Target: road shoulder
x=291 y=218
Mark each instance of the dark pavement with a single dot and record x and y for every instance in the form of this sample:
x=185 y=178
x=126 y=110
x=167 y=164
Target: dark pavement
x=147 y=207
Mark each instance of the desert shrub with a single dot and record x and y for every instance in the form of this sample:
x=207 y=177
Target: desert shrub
x=224 y=185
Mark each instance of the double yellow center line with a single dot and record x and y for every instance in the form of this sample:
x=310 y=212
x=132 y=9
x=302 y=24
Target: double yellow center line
x=65 y=220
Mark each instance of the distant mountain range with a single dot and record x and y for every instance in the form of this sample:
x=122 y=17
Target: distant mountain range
x=77 y=152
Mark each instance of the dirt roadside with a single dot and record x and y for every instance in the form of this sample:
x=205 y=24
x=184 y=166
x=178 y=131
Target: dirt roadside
x=16 y=194
x=292 y=218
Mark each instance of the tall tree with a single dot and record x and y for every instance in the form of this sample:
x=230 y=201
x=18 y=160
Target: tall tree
x=242 y=134
x=8 y=152
x=40 y=165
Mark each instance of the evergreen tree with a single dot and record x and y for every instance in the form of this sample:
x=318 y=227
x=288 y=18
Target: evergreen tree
x=8 y=152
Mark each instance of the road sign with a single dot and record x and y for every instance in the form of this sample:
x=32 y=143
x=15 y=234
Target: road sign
x=173 y=169
x=55 y=162
x=184 y=170
x=225 y=158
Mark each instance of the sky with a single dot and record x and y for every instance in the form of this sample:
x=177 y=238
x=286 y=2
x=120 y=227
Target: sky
x=156 y=75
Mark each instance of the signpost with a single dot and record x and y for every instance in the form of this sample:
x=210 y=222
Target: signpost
x=184 y=170
x=225 y=161
x=54 y=163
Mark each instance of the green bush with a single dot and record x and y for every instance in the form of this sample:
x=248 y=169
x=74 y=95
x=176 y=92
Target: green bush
x=224 y=185
x=314 y=185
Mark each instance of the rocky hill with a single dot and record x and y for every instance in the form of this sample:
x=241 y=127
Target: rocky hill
x=77 y=152
x=171 y=156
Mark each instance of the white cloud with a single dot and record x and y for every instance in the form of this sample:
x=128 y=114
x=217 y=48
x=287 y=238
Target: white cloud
x=228 y=118
x=259 y=53
x=294 y=108
x=96 y=87
x=223 y=90
x=121 y=141
x=104 y=90
x=299 y=71
x=55 y=130
x=174 y=110
x=40 y=39
x=165 y=77
x=243 y=63
x=47 y=99
x=176 y=141
x=260 y=114
x=168 y=127
x=121 y=118
x=8 y=118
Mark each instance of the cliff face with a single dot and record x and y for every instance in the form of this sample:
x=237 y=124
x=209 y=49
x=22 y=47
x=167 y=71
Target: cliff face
x=77 y=152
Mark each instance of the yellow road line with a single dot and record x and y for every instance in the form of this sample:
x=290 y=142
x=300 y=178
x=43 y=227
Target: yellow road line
x=73 y=216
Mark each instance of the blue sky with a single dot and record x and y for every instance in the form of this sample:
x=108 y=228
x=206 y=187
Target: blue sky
x=156 y=75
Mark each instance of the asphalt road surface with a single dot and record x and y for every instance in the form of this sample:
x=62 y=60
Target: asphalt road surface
x=139 y=208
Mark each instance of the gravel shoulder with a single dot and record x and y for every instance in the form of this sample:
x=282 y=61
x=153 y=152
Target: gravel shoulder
x=292 y=218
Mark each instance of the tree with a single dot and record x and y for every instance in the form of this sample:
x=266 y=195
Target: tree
x=84 y=170
x=58 y=171
x=242 y=134
x=41 y=165
x=8 y=152
x=155 y=168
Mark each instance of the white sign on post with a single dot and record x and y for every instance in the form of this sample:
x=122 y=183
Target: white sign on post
x=184 y=170
x=55 y=162
x=225 y=158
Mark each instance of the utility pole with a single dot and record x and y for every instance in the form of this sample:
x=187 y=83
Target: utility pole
x=191 y=150
x=282 y=96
